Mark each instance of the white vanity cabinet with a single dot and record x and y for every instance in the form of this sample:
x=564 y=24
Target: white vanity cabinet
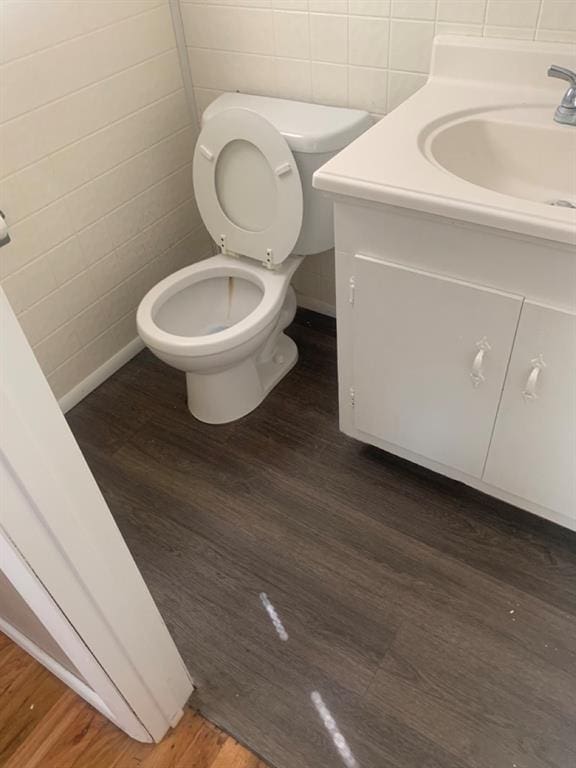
x=457 y=350
x=429 y=360
x=533 y=450
x=457 y=334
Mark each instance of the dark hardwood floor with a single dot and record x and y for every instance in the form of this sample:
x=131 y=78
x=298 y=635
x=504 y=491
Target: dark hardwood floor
x=437 y=625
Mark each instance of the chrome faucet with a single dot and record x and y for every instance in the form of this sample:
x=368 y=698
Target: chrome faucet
x=566 y=112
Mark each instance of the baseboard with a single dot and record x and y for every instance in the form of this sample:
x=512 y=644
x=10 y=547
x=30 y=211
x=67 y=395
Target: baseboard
x=99 y=376
x=322 y=307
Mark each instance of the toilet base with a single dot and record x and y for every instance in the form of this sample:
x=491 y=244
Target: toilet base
x=219 y=398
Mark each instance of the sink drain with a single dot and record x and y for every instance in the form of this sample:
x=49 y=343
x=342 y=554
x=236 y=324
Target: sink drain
x=562 y=203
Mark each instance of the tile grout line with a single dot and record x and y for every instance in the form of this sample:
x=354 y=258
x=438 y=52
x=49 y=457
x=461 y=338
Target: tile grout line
x=86 y=136
x=85 y=87
x=98 y=261
x=198 y=229
x=101 y=175
x=97 y=30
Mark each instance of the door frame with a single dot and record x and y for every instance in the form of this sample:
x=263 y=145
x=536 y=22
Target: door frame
x=64 y=552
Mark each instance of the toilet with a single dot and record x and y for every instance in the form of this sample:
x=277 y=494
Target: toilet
x=222 y=319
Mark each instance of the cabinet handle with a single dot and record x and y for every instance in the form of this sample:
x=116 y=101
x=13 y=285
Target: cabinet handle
x=529 y=392
x=476 y=374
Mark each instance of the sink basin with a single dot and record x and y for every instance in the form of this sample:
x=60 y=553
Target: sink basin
x=511 y=151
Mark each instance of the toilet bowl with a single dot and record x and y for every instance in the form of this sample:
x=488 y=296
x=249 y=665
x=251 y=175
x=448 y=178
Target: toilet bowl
x=222 y=320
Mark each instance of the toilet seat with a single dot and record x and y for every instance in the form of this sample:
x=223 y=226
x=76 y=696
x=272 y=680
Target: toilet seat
x=247 y=186
x=271 y=283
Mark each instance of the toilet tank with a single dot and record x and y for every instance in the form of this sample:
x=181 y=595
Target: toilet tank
x=314 y=133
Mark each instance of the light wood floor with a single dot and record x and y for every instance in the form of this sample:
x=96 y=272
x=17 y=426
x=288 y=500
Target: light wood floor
x=43 y=724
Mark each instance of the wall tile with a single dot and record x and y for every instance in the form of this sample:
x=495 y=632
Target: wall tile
x=30 y=284
x=512 y=33
x=92 y=356
x=401 y=85
x=291 y=35
x=111 y=190
x=248 y=30
x=368 y=41
x=47 y=129
x=467 y=12
x=232 y=71
x=293 y=79
x=329 y=37
x=411 y=45
x=36 y=235
x=29 y=190
x=31 y=82
x=368 y=89
x=369 y=7
x=512 y=13
x=204 y=97
x=37 y=24
x=57 y=348
x=82 y=161
x=556 y=35
x=454 y=28
x=329 y=84
x=67 y=260
x=290 y=5
x=328 y=6
x=44 y=317
x=558 y=14
x=414 y=9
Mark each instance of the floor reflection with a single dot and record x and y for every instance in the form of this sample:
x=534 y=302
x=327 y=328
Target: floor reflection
x=330 y=724
x=274 y=618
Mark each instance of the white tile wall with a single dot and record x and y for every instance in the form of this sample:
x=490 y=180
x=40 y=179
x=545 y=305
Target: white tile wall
x=368 y=54
x=96 y=144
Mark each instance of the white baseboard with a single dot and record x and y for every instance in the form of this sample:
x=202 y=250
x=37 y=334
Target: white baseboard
x=307 y=302
x=97 y=377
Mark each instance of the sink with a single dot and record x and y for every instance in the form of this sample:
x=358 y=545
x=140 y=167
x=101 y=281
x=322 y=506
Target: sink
x=514 y=151
x=477 y=143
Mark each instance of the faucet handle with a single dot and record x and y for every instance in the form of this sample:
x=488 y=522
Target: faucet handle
x=562 y=73
x=566 y=112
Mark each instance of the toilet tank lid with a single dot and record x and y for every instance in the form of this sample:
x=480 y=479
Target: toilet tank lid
x=310 y=128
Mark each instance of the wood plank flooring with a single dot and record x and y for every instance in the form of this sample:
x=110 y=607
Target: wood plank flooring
x=423 y=625
x=43 y=724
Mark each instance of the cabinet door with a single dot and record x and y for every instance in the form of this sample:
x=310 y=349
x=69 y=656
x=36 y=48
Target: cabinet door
x=430 y=357
x=533 y=451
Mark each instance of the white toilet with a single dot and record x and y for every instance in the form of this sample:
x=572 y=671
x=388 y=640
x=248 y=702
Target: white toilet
x=221 y=320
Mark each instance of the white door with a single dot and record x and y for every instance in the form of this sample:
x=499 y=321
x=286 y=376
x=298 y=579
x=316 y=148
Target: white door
x=65 y=562
x=533 y=452
x=430 y=357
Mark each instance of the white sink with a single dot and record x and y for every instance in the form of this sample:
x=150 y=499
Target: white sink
x=516 y=151
x=478 y=142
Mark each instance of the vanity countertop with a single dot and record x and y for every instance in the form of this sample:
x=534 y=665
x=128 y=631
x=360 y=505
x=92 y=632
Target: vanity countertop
x=486 y=113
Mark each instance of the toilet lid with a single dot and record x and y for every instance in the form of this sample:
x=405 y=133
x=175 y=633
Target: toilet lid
x=247 y=186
